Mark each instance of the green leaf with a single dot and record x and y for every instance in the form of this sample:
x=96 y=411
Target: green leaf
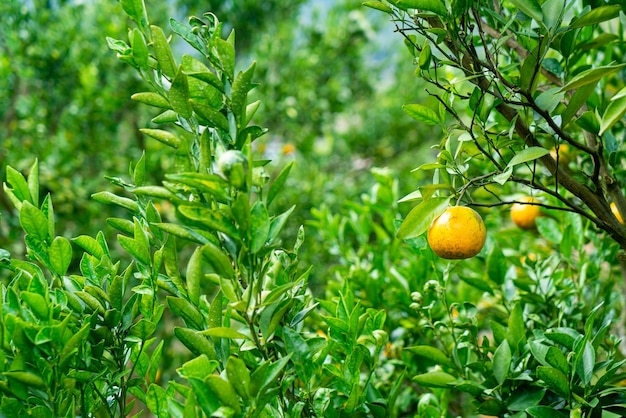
x=194 y=274
x=197 y=343
x=589 y=122
x=213 y=116
x=72 y=345
x=556 y=359
x=277 y=224
x=184 y=309
x=259 y=227
x=422 y=113
x=545 y=412
x=33 y=221
x=113 y=199
x=151 y=99
x=555 y=379
x=419 y=219
x=502 y=362
x=162 y=136
x=578 y=99
x=140 y=50
x=240 y=90
x=564 y=336
x=19 y=184
x=224 y=391
x=207 y=399
x=527 y=154
x=596 y=15
x=33 y=183
x=198 y=368
x=220 y=262
x=162 y=52
x=585 y=360
x=26 y=378
x=179 y=95
x=278 y=184
x=136 y=10
x=60 y=253
x=37 y=304
x=188 y=35
x=553 y=13
x=592 y=75
x=204 y=183
x=521 y=400
x=613 y=114
x=239 y=376
x=378 y=5
x=434 y=379
x=531 y=8
x=226 y=54
x=266 y=375
x=157 y=401
x=433 y=354
x=435 y=6
x=517 y=328
x=225 y=332
x=214 y=219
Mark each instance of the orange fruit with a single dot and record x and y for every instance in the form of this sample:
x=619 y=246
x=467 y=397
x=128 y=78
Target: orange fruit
x=289 y=148
x=525 y=215
x=616 y=213
x=459 y=232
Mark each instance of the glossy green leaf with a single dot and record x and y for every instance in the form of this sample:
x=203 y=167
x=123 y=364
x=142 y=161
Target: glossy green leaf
x=204 y=183
x=157 y=401
x=502 y=362
x=163 y=52
x=194 y=275
x=113 y=199
x=521 y=400
x=556 y=359
x=578 y=99
x=419 y=219
x=33 y=221
x=517 y=328
x=527 y=154
x=224 y=391
x=241 y=87
x=260 y=227
x=136 y=10
x=187 y=311
x=140 y=50
x=431 y=353
x=435 y=6
x=220 y=262
x=277 y=224
x=216 y=221
x=531 y=8
x=33 y=183
x=596 y=15
x=422 y=113
x=435 y=379
x=545 y=412
x=592 y=75
x=37 y=304
x=555 y=379
x=553 y=13
x=207 y=399
x=239 y=376
x=585 y=360
x=613 y=114
x=197 y=343
x=589 y=122
x=378 y=5
x=265 y=376
x=198 y=368
x=19 y=185
x=226 y=54
x=212 y=115
x=188 y=35
x=225 y=332
x=60 y=253
x=178 y=95
x=151 y=99
x=162 y=136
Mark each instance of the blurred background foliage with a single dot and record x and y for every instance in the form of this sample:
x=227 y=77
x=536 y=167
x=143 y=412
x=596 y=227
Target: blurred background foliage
x=331 y=75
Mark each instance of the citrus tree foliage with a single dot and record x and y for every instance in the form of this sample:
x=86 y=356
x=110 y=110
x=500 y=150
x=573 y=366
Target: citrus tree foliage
x=529 y=101
x=513 y=81
x=208 y=269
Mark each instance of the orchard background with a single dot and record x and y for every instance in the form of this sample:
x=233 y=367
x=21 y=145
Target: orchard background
x=226 y=214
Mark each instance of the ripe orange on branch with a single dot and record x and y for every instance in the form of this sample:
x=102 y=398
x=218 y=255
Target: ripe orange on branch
x=459 y=232
x=524 y=214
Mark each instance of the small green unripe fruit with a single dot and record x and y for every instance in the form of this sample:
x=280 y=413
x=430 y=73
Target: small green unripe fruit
x=233 y=164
